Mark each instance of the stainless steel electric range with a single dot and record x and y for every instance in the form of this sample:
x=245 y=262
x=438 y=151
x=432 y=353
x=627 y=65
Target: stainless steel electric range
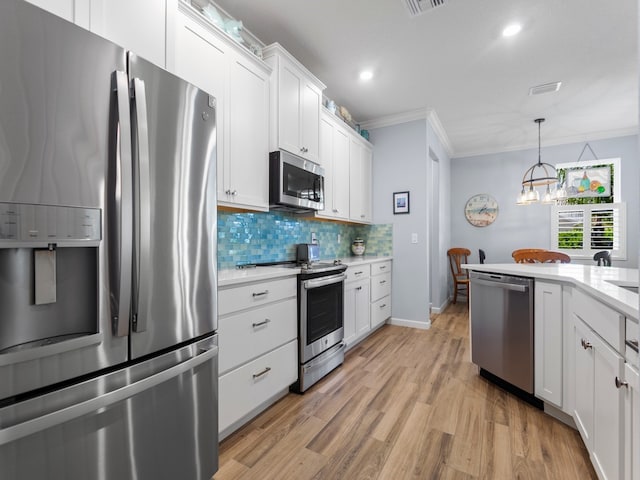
x=320 y=319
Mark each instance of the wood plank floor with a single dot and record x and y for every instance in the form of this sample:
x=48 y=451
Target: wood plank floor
x=406 y=404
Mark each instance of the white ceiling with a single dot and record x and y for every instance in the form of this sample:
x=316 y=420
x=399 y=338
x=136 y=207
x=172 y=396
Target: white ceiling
x=454 y=60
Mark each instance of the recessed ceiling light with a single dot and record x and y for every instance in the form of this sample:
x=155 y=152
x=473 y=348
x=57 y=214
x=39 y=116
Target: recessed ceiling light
x=511 y=30
x=366 y=75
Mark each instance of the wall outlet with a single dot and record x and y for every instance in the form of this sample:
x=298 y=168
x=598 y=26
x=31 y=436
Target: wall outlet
x=414 y=238
x=314 y=238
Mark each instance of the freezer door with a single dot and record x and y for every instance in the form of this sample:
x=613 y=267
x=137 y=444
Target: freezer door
x=174 y=140
x=58 y=102
x=155 y=420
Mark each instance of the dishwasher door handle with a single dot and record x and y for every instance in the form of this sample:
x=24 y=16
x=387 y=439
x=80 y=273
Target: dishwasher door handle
x=507 y=286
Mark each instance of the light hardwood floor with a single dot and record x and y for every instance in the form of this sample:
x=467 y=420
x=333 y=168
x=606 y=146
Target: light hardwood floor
x=406 y=404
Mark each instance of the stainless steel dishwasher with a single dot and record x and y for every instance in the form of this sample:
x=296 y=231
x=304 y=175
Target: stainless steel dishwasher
x=502 y=327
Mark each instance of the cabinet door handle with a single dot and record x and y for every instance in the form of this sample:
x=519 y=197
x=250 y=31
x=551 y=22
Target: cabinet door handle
x=586 y=345
x=620 y=383
x=335 y=210
x=260 y=294
x=383 y=305
x=228 y=192
x=358 y=288
x=259 y=324
x=234 y=193
x=263 y=372
x=362 y=216
x=382 y=281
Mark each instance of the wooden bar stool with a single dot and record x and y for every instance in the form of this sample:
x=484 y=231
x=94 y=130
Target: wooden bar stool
x=544 y=256
x=458 y=256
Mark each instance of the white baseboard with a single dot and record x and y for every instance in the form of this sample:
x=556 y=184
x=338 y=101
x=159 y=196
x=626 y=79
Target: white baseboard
x=441 y=308
x=560 y=415
x=401 y=322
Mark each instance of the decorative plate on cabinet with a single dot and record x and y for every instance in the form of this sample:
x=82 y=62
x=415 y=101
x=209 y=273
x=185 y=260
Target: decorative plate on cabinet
x=481 y=210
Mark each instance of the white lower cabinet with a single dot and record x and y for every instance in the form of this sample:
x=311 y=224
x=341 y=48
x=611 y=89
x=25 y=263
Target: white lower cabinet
x=246 y=388
x=599 y=410
x=261 y=329
x=367 y=299
x=632 y=423
x=257 y=337
x=548 y=329
x=356 y=310
x=380 y=292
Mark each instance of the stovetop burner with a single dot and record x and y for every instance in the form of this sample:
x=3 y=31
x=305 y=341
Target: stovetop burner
x=306 y=267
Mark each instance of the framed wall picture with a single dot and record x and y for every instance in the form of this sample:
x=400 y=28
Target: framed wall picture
x=400 y=202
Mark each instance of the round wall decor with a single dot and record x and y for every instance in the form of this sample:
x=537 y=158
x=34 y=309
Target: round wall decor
x=481 y=210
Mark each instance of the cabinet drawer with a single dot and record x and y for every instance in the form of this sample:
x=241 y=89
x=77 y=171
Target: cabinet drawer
x=381 y=267
x=251 y=333
x=607 y=322
x=380 y=311
x=358 y=272
x=245 y=388
x=380 y=286
x=254 y=294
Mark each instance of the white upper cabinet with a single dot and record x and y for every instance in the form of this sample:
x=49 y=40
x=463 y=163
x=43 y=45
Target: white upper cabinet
x=62 y=8
x=296 y=96
x=138 y=25
x=334 y=158
x=204 y=56
x=360 y=166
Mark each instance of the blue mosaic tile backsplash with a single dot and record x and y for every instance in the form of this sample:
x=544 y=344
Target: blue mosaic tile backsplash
x=272 y=237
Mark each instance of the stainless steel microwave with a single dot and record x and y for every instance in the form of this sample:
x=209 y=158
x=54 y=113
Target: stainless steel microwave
x=295 y=183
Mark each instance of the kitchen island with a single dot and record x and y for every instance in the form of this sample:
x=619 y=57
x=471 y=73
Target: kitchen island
x=586 y=361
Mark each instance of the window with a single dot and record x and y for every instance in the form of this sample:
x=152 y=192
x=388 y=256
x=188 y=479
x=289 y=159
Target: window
x=582 y=230
x=590 y=222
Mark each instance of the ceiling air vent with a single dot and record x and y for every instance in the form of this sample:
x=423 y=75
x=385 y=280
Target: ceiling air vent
x=546 y=88
x=418 y=7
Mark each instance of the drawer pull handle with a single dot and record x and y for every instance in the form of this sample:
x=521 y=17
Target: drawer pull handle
x=358 y=273
x=586 y=345
x=382 y=267
x=620 y=383
x=259 y=324
x=263 y=372
x=260 y=294
x=382 y=281
x=383 y=305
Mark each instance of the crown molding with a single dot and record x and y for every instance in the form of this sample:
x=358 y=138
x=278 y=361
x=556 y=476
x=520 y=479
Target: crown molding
x=395 y=119
x=549 y=142
x=434 y=120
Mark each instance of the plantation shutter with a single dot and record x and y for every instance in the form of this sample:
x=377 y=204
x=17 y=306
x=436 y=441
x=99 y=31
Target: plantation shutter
x=582 y=230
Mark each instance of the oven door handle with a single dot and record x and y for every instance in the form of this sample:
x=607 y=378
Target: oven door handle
x=323 y=281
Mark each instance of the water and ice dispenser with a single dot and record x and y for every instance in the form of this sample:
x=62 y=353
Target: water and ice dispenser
x=48 y=274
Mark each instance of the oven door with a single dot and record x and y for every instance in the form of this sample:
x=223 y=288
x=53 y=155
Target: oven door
x=321 y=314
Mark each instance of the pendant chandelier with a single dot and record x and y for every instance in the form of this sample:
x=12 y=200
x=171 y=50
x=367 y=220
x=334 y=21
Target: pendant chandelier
x=540 y=174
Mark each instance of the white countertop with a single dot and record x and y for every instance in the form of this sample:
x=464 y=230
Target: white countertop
x=235 y=276
x=593 y=280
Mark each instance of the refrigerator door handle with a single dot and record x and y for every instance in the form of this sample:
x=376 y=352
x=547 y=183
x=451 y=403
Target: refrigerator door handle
x=34 y=425
x=142 y=201
x=120 y=197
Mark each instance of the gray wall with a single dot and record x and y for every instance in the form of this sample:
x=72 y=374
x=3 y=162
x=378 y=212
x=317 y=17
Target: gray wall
x=401 y=162
x=440 y=224
x=517 y=226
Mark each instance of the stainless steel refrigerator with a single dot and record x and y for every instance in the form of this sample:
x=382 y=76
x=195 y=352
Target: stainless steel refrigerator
x=108 y=346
